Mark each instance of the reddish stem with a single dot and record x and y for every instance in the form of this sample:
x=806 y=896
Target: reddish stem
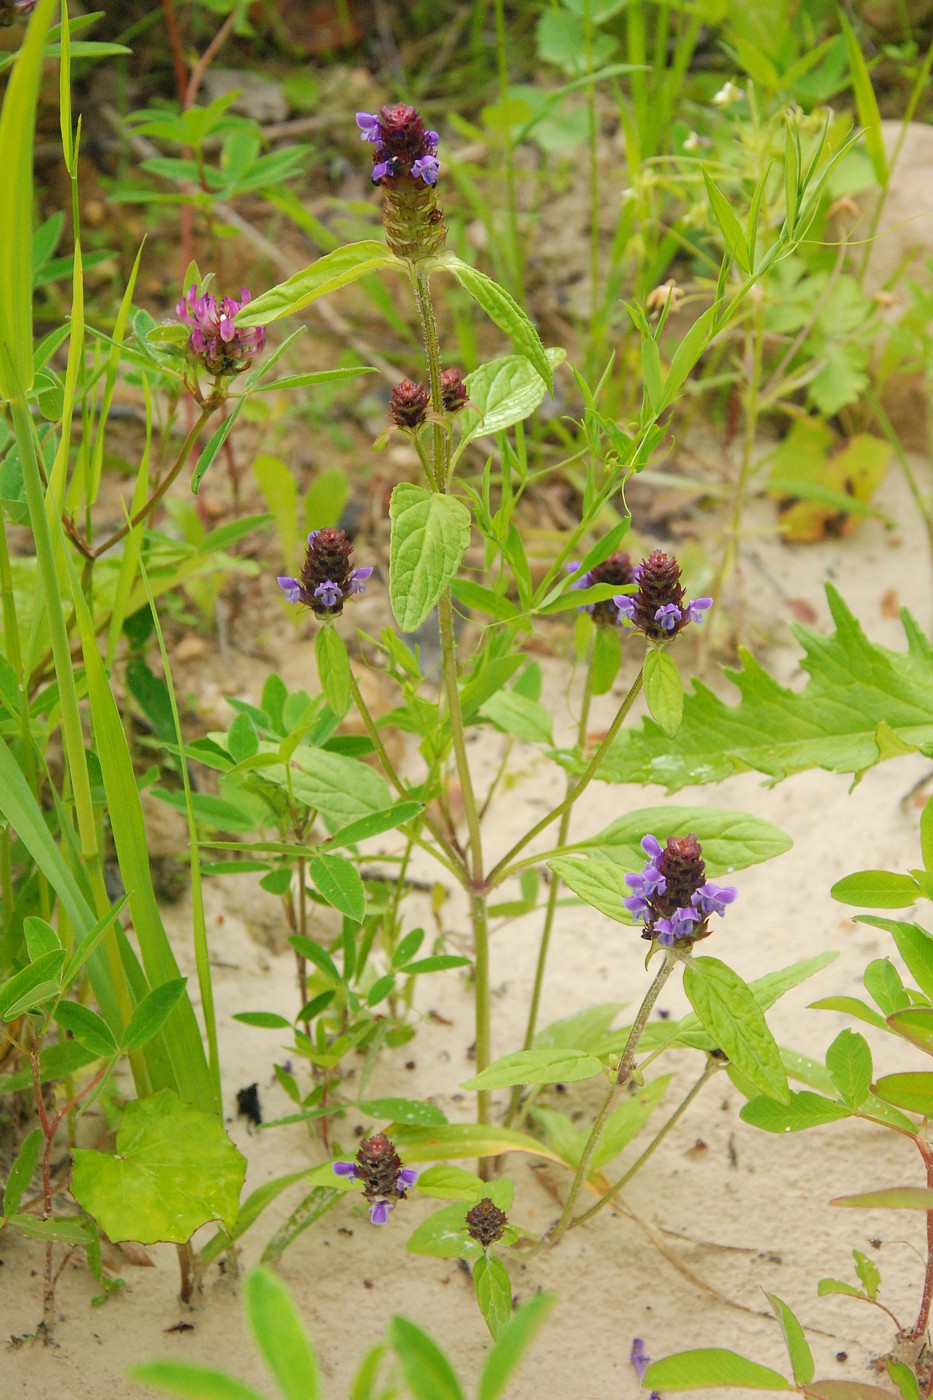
x=177 y=48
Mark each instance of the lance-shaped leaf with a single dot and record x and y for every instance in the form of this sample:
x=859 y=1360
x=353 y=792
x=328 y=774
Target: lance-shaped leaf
x=889 y=1198
x=504 y=392
x=862 y=704
x=536 y=1067
x=708 y=1367
x=429 y=535
x=174 y=1170
x=336 y=269
x=731 y=840
x=503 y=310
x=731 y=1015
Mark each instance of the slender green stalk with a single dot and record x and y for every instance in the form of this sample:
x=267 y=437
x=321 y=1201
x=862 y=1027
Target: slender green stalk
x=500 y=871
x=596 y=327
x=622 y=1076
x=551 y=907
x=711 y=1067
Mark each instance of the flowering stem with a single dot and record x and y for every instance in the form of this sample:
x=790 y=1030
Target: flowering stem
x=551 y=909
x=622 y=1076
x=711 y=1068
x=920 y=1327
x=500 y=871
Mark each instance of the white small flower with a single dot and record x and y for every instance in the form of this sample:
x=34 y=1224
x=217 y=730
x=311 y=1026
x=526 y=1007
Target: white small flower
x=696 y=142
x=728 y=95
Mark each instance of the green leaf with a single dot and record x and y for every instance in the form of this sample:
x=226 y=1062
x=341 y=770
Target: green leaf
x=511 y=1345
x=914 y=1023
x=428 y=1373
x=536 y=1067
x=731 y=840
x=175 y=1169
x=374 y=825
x=516 y=714
x=337 y=269
x=664 y=691
x=599 y=881
x=926 y=835
x=801 y=1357
x=607 y=657
x=503 y=311
x=429 y=534
x=905 y=1380
x=265 y=1020
x=805 y=1110
x=912 y=1091
x=403 y=1111
x=505 y=391
x=342 y=789
x=280 y=1336
x=33 y=985
x=626 y=1122
x=151 y=1013
x=415 y=1144
x=333 y=668
x=195 y=1382
x=866 y=102
x=883 y=984
x=444 y=1235
x=834 y=722
x=708 y=1367
x=729 y=1012
x=877 y=889
x=40 y=938
x=214 y=444
x=869 y=1274
x=338 y=881
x=493 y=1293
x=88 y=1029
x=850 y=1006
x=17 y=136
x=67 y=1229
x=451 y=1184
x=915 y=946
x=21 y=1172
x=827 y=1286
x=732 y=232
x=848 y=1060
x=890 y=1198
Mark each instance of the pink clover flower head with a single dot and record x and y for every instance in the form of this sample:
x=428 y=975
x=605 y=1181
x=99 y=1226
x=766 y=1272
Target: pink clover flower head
x=659 y=607
x=385 y=1181
x=403 y=148
x=671 y=894
x=215 y=341
x=326 y=580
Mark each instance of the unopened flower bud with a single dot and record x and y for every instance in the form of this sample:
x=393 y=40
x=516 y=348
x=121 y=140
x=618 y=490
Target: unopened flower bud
x=486 y=1223
x=453 y=390
x=409 y=404
x=326 y=580
x=617 y=571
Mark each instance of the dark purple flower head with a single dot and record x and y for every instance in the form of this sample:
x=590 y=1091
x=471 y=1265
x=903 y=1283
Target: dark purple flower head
x=453 y=390
x=408 y=404
x=486 y=1223
x=326 y=580
x=616 y=570
x=402 y=147
x=215 y=341
x=11 y=10
x=672 y=895
x=385 y=1181
x=659 y=608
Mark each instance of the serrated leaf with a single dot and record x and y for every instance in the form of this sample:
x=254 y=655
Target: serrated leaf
x=536 y=1067
x=503 y=311
x=848 y=1060
x=664 y=691
x=338 y=881
x=429 y=535
x=493 y=1293
x=505 y=391
x=805 y=1110
x=733 y=1018
x=711 y=1366
x=833 y=723
x=175 y=1168
x=336 y=269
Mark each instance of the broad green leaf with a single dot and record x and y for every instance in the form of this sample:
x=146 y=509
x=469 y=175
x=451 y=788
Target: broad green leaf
x=905 y=1380
x=265 y=1020
x=536 y=1067
x=403 y=1111
x=883 y=984
x=850 y=1006
x=280 y=1336
x=493 y=1293
x=805 y=1110
x=516 y=714
x=915 y=946
x=342 y=789
x=505 y=392
x=848 y=1060
x=733 y=1018
x=914 y=1023
x=444 y=1235
x=333 y=668
x=503 y=311
x=451 y=1184
x=336 y=269
x=429 y=534
x=510 y=1347
x=151 y=1013
x=88 y=1029
x=428 y=1374
x=799 y=1353
x=21 y=1172
x=664 y=691
x=834 y=722
x=730 y=840
x=599 y=881
x=708 y=1367
x=912 y=1091
x=175 y=1169
x=453 y=1140
x=40 y=938
x=338 y=881
x=194 y=1382
x=890 y=1198
x=877 y=889
x=581 y=1030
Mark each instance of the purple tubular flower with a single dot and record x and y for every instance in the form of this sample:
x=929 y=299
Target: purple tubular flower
x=215 y=340
x=326 y=580
x=345 y=1169
x=379 y=1212
x=640 y=1362
x=426 y=168
x=402 y=147
x=368 y=124
x=671 y=894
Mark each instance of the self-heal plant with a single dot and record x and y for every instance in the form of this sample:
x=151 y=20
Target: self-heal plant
x=215 y=343
x=659 y=607
x=385 y=1180
x=326 y=580
x=671 y=893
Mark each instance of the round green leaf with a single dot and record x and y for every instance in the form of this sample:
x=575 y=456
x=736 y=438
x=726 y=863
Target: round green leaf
x=174 y=1169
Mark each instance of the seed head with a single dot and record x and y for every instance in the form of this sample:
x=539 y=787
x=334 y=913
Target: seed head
x=326 y=580
x=616 y=570
x=486 y=1223
x=453 y=390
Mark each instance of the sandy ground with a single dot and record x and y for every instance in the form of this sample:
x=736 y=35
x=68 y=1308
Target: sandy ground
x=727 y=1212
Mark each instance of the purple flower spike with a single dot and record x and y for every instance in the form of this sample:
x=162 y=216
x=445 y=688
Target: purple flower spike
x=659 y=608
x=671 y=894
x=215 y=341
x=385 y=1181
x=326 y=580
x=403 y=149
